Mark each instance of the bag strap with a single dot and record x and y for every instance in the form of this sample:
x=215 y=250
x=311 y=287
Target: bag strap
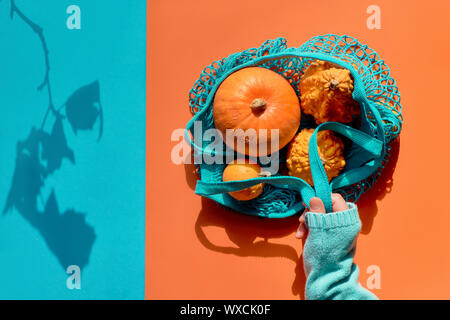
x=358 y=174
x=190 y=127
x=370 y=144
x=322 y=188
x=210 y=188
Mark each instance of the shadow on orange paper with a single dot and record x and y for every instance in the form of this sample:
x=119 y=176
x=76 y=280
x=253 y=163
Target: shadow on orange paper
x=245 y=231
x=367 y=203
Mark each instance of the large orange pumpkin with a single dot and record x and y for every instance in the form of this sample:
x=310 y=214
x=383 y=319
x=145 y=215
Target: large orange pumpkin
x=256 y=98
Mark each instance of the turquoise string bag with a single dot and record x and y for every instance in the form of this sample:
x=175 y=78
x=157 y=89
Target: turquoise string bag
x=367 y=148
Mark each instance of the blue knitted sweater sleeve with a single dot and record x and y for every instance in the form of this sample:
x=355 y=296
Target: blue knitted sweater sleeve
x=328 y=256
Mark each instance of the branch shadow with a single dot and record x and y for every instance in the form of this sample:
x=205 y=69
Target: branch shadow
x=367 y=203
x=66 y=234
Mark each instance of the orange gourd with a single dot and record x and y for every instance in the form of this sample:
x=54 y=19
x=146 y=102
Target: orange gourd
x=243 y=171
x=256 y=98
x=330 y=148
x=326 y=93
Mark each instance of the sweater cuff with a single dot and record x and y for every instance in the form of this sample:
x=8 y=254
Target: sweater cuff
x=334 y=219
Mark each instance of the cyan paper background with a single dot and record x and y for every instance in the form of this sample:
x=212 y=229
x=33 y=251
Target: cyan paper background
x=90 y=211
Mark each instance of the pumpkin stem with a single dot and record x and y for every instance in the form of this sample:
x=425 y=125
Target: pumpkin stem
x=258 y=104
x=334 y=84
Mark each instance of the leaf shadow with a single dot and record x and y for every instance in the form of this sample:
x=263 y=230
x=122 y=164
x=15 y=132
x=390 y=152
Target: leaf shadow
x=83 y=108
x=66 y=234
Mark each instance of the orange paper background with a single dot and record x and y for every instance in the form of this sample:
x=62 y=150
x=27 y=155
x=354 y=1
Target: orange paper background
x=197 y=250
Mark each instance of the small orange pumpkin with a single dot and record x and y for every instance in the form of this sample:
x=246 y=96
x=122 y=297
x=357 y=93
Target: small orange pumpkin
x=331 y=152
x=243 y=171
x=326 y=93
x=256 y=98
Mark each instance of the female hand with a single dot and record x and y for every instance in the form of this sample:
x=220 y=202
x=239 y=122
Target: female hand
x=316 y=205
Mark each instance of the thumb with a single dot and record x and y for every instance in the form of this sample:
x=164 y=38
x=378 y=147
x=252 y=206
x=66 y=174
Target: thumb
x=316 y=205
x=339 y=203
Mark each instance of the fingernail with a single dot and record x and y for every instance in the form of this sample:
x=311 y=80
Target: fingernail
x=314 y=205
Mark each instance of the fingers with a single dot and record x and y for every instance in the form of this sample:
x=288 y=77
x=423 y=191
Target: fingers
x=301 y=231
x=338 y=202
x=302 y=217
x=316 y=205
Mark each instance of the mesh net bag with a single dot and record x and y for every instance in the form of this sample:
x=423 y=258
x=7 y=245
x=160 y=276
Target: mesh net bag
x=366 y=153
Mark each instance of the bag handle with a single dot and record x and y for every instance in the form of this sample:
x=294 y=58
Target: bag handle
x=370 y=144
x=190 y=127
x=358 y=174
x=210 y=188
x=322 y=188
